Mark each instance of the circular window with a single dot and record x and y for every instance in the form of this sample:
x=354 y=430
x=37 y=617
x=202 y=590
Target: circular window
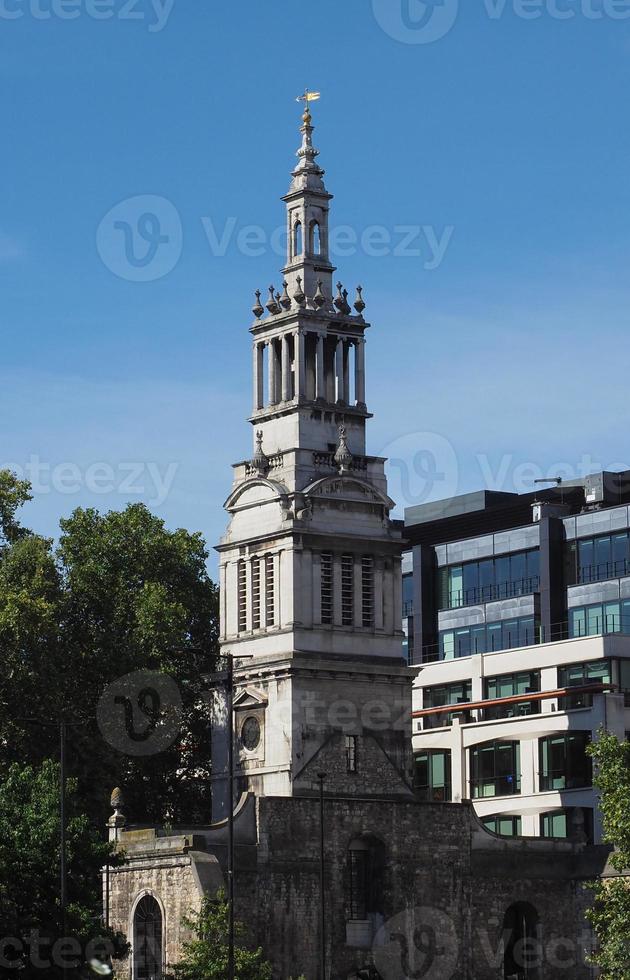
x=250 y=734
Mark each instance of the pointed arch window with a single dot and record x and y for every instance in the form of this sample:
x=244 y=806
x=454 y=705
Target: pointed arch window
x=316 y=239
x=298 y=239
x=147 y=940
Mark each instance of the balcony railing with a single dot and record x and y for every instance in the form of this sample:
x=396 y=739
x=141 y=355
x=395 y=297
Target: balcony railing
x=492 y=593
x=604 y=570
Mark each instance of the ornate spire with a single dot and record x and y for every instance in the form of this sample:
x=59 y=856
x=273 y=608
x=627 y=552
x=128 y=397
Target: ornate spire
x=308 y=175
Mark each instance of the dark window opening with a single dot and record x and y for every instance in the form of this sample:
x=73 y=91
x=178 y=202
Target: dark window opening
x=504 y=824
x=147 y=940
x=432 y=776
x=508 y=686
x=520 y=931
x=564 y=763
x=495 y=769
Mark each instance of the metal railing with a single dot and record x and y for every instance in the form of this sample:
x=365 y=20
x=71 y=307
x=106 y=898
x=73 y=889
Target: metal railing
x=603 y=570
x=492 y=593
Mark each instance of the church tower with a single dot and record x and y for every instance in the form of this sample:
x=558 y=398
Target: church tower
x=311 y=562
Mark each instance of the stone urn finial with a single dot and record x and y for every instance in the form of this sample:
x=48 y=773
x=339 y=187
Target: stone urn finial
x=343 y=456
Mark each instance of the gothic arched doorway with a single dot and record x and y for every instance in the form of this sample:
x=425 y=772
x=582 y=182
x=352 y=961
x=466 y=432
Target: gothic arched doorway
x=522 y=952
x=147 y=940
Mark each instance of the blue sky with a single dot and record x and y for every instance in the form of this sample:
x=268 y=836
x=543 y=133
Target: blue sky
x=506 y=138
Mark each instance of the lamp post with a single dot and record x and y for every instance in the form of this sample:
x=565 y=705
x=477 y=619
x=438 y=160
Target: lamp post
x=322 y=894
x=228 y=677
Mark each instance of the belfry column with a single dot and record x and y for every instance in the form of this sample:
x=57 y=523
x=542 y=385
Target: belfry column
x=359 y=382
x=339 y=371
x=286 y=370
x=258 y=376
x=271 y=366
x=320 y=384
x=300 y=364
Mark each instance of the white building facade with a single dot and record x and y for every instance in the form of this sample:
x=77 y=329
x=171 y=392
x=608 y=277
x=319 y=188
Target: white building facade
x=528 y=652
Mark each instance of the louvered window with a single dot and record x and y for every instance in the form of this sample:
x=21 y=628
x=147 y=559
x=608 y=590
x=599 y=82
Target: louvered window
x=367 y=581
x=242 y=597
x=256 y=593
x=270 y=592
x=327 y=588
x=347 y=590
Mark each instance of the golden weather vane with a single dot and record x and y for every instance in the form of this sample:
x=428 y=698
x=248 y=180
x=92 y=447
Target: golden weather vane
x=308 y=97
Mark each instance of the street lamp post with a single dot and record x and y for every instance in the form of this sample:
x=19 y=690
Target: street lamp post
x=322 y=894
x=228 y=677
x=230 y=707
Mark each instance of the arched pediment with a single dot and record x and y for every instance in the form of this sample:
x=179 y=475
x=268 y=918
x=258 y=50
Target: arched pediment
x=258 y=490
x=343 y=487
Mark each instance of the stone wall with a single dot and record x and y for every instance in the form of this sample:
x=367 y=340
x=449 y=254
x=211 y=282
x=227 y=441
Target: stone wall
x=168 y=869
x=445 y=887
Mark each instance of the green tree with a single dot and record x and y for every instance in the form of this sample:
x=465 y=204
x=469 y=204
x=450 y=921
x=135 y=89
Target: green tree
x=119 y=593
x=610 y=912
x=205 y=956
x=30 y=913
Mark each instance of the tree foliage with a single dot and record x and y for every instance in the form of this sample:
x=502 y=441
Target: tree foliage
x=31 y=921
x=205 y=956
x=610 y=912
x=119 y=593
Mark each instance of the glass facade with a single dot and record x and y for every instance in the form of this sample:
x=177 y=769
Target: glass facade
x=578 y=675
x=502 y=577
x=560 y=823
x=495 y=769
x=407 y=595
x=563 y=762
x=504 y=824
x=436 y=697
x=432 y=776
x=603 y=557
x=488 y=637
x=508 y=686
x=601 y=617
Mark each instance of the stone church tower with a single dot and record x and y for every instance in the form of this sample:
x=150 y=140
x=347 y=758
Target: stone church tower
x=311 y=617
x=311 y=562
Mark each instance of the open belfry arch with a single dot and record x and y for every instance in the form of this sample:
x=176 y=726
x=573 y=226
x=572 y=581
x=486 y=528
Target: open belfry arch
x=311 y=562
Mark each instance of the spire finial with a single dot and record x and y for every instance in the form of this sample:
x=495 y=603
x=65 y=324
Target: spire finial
x=307 y=98
x=260 y=463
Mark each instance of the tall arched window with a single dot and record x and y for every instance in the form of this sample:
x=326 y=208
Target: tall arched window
x=298 y=239
x=316 y=239
x=522 y=954
x=147 y=940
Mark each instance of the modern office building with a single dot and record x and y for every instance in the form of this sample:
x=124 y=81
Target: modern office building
x=517 y=610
